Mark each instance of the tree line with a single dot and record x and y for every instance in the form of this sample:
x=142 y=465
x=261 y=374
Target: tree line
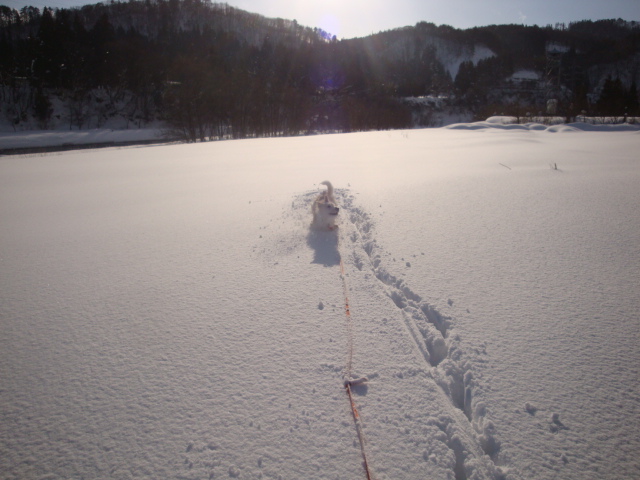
x=209 y=70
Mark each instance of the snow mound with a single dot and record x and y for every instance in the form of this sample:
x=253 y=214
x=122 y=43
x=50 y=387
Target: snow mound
x=507 y=123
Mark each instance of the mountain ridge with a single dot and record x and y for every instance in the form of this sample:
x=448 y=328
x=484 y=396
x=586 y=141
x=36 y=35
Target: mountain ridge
x=210 y=70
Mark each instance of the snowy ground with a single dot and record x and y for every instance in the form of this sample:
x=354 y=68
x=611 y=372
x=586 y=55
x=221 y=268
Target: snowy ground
x=66 y=138
x=165 y=312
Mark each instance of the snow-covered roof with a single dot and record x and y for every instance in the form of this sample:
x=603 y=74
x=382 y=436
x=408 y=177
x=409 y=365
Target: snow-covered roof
x=525 y=75
x=554 y=47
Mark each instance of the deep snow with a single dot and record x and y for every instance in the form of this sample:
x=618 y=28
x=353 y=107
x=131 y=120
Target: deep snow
x=167 y=313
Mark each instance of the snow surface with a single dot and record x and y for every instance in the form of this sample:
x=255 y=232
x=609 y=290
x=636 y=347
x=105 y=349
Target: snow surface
x=56 y=138
x=165 y=312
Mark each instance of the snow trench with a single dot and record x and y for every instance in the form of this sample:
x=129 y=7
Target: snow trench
x=470 y=433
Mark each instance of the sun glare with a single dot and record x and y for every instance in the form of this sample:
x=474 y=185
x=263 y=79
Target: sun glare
x=330 y=24
x=330 y=15
x=342 y=18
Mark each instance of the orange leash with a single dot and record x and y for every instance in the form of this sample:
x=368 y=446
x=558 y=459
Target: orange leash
x=347 y=311
x=356 y=420
x=348 y=382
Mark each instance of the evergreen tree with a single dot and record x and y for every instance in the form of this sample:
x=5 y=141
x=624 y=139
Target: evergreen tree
x=465 y=77
x=613 y=98
x=632 y=101
x=42 y=109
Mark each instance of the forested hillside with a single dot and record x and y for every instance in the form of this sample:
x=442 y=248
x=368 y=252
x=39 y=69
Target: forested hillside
x=208 y=70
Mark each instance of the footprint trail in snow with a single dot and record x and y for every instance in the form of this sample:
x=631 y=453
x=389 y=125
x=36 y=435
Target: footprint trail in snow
x=471 y=436
x=457 y=435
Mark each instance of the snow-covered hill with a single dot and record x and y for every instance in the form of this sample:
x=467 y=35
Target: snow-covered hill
x=448 y=52
x=166 y=312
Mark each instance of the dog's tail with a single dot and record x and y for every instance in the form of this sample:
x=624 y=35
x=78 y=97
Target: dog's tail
x=329 y=187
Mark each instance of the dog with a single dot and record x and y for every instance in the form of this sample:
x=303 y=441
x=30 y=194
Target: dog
x=324 y=209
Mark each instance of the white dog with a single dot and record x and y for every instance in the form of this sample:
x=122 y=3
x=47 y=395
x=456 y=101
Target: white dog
x=324 y=209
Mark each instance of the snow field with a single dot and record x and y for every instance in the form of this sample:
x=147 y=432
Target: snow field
x=543 y=260
x=167 y=313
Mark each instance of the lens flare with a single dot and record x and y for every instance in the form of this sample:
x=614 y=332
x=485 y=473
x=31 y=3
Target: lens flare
x=330 y=24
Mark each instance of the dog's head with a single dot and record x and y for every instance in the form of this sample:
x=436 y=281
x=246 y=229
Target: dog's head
x=330 y=208
x=326 y=207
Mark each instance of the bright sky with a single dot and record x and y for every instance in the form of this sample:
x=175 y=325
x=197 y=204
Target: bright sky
x=356 y=18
